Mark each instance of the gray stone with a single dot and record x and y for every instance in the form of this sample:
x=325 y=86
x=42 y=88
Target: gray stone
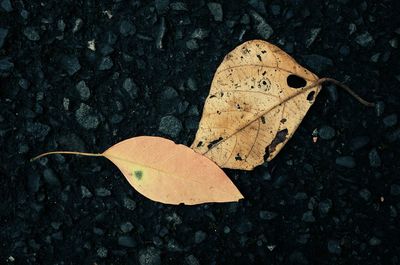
x=103 y=192
x=126 y=227
x=191 y=260
x=346 y=161
x=129 y=204
x=83 y=90
x=262 y=27
x=312 y=36
x=267 y=215
x=374 y=158
x=324 y=207
x=161 y=6
x=179 y=6
x=130 y=87
x=85 y=192
x=102 y=252
x=160 y=34
x=126 y=28
x=216 y=11
x=244 y=227
x=77 y=25
x=6 y=5
x=358 y=142
x=379 y=108
x=170 y=125
x=318 y=63
x=3 y=35
x=334 y=247
x=365 y=40
x=70 y=64
x=51 y=178
x=308 y=217
x=326 y=132
x=86 y=117
x=395 y=190
x=149 y=256
x=199 y=237
x=5 y=65
x=192 y=44
x=126 y=241
x=106 y=63
x=200 y=34
x=37 y=130
x=31 y=34
x=33 y=182
x=390 y=120
x=365 y=194
x=374 y=241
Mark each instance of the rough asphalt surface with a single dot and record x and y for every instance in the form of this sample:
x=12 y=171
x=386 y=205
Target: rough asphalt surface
x=85 y=75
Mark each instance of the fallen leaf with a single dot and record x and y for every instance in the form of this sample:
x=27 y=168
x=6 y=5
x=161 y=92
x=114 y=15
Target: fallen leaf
x=258 y=97
x=167 y=172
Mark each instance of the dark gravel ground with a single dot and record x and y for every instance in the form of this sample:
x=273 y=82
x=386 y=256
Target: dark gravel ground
x=84 y=75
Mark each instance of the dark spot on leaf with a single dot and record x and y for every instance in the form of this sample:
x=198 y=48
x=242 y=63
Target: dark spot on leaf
x=263 y=119
x=280 y=137
x=212 y=96
x=214 y=142
x=238 y=106
x=200 y=144
x=295 y=81
x=310 y=95
x=263 y=51
x=238 y=157
x=283 y=120
x=264 y=72
x=222 y=94
x=259 y=57
x=138 y=174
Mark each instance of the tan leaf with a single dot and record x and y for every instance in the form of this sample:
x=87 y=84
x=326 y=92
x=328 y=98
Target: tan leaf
x=166 y=172
x=256 y=102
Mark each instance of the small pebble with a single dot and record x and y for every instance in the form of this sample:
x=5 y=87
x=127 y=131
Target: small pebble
x=379 y=108
x=199 y=237
x=86 y=117
x=126 y=227
x=346 y=161
x=126 y=28
x=106 y=63
x=51 y=178
x=390 y=121
x=102 y=252
x=365 y=40
x=83 y=90
x=103 y=192
x=365 y=194
x=374 y=158
x=170 y=125
x=395 y=190
x=126 y=241
x=129 y=204
x=308 y=217
x=31 y=34
x=6 y=5
x=326 y=132
x=130 y=87
x=85 y=192
x=267 y=215
x=359 y=142
x=216 y=11
x=334 y=247
x=149 y=256
x=3 y=35
x=70 y=64
x=324 y=207
x=262 y=27
x=374 y=241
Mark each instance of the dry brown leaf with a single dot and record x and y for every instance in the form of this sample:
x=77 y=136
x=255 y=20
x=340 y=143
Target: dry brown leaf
x=167 y=172
x=256 y=102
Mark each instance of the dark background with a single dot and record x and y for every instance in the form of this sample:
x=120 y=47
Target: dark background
x=335 y=201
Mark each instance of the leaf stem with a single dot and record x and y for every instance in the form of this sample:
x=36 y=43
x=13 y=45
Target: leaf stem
x=64 y=153
x=343 y=86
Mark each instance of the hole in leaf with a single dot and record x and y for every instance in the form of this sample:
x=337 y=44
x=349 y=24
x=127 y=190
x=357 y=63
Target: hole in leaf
x=295 y=81
x=200 y=144
x=212 y=143
x=310 y=95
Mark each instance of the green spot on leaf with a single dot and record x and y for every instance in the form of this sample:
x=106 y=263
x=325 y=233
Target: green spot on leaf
x=138 y=174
